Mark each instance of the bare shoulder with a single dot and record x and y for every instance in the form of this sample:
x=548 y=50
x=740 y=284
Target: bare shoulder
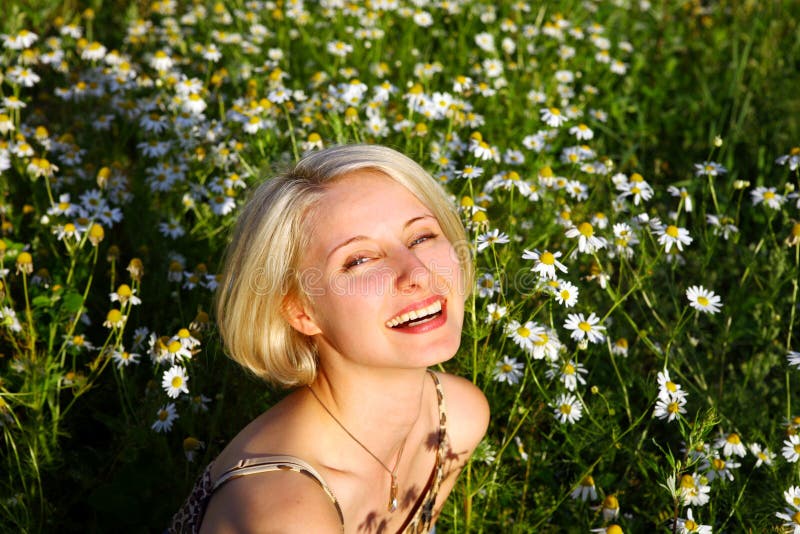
x=271 y=502
x=467 y=411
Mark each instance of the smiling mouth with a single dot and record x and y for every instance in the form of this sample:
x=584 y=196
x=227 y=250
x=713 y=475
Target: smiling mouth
x=416 y=317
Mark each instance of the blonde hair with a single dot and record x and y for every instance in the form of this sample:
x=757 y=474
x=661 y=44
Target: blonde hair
x=261 y=263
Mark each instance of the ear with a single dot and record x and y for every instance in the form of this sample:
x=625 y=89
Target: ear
x=297 y=313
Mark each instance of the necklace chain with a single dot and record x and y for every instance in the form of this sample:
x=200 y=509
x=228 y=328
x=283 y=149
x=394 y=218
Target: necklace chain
x=392 y=506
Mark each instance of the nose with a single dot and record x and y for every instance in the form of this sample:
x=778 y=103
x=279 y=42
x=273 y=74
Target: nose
x=410 y=273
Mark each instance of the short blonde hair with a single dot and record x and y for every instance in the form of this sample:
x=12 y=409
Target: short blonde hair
x=263 y=258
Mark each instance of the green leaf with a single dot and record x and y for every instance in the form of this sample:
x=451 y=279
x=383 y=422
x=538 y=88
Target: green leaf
x=73 y=302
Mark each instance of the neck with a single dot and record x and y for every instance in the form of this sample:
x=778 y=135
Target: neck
x=379 y=407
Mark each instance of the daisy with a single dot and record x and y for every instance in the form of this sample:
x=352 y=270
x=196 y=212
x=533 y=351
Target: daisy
x=123 y=294
x=703 y=300
x=667 y=389
x=547 y=345
x=791 y=448
x=114 y=319
x=174 y=381
x=567 y=409
x=494 y=312
x=165 y=416
x=523 y=334
x=794 y=358
x=684 y=195
x=792 y=158
x=124 y=358
x=487 y=286
x=582 y=132
x=546 y=263
x=694 y=490
x=339 y=48
x=731 y=444
x=792 y=518
x=610 y=507
x=709 y=168
x=717 y=468
x=672 y=235
x=620 y=347
x=583 y=327
x=569 y=373
x=792 y=497
x=490 y=238
x=689 y=526
x=469 y=172
x=669 y=408
x=199 y=403
x=722 y=225
x=185 y=338
x=585 y=490
x=552 y=117
x=566 y=293
x=508 y=370
x=768 y=196
x=763 y=456
x=587 y=241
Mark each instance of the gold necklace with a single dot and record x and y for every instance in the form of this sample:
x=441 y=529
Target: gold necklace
x=392 y=472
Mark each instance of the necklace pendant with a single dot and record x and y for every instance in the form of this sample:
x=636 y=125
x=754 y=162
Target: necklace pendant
x=393 y=495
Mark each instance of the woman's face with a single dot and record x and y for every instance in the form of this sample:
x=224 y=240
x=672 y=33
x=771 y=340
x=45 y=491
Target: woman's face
x=384 y=284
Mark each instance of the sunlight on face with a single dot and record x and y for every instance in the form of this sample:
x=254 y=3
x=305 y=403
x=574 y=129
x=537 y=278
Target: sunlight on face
x=382 y=279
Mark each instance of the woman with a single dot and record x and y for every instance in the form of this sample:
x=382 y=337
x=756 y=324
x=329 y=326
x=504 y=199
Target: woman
x=346 y=279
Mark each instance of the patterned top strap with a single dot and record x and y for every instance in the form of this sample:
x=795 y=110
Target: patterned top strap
x=276 y=462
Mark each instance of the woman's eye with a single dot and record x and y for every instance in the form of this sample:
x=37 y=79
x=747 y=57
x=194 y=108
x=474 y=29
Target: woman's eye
x=422 y=238
x=353 y=262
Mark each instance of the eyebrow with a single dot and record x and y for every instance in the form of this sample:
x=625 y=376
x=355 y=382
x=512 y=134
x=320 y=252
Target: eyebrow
x=363 y=237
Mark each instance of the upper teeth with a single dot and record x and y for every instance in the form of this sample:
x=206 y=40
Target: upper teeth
x=415 y=314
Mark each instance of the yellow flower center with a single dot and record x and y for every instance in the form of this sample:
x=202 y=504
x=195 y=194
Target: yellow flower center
x=796 y=518
x=586 y=229
x=543 y=339
x=24 y=258
x=547 y=258
x=719 y=464
x=610 y=502
x=177 y=381
x=690 y=525
x=555 y=111
x=614 y=529
x=687 y=481
x=588 y=480
x=114 y=316
x=566 y=409
x=703 y=301
x=672 y=231
x=569 y=369
x=124 y=291
x=506 y=368
x=77 y=340
x=583 y=325
x=523 y=332
x=636 y=177
x=673 y=407
x=183 y=333
x=734 y=439
x=769 y=195
x=565 y=294
x=797 y=448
